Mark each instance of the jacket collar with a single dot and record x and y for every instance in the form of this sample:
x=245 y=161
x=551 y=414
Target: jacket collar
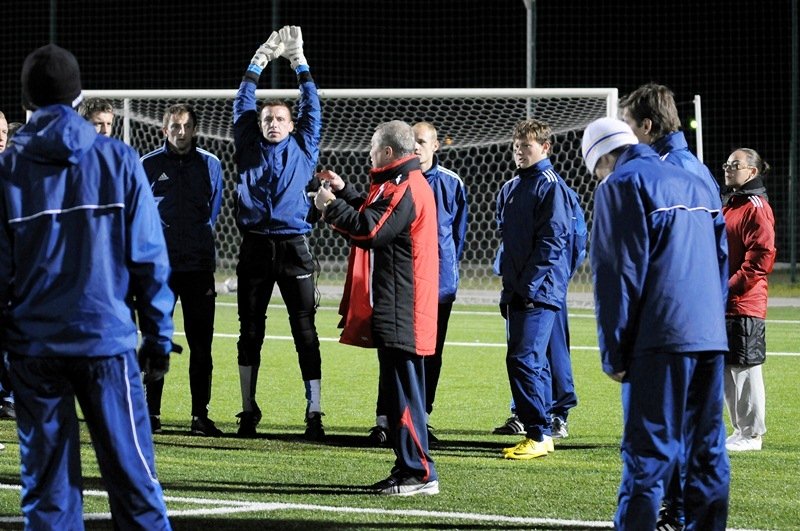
x=398 y=168
x=536 y=169
x=754 y=186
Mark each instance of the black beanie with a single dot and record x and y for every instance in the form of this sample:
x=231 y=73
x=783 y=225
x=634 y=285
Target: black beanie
x=50 y=75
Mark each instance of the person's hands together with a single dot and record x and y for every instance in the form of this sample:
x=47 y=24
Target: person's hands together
x=292 y=39
x=269 y=51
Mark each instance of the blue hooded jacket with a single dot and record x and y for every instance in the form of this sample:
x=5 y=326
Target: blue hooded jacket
x=660 y=261
x=80 y=234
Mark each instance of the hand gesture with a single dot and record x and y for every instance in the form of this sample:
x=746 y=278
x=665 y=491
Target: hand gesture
x=269 y=51
x=292 y=39
x=335 y=182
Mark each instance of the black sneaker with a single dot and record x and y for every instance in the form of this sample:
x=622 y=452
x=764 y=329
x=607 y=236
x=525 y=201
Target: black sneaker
x=378 y=436
x=155 y=424
x=205 y=427
x=314 y=429
x=248 y=420
x=8 y=411
x=668 y=519
x=559 y=428
x=403 y=484
x=512 y=426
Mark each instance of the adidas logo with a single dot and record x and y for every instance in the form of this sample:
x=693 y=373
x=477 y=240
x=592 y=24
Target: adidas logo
x=163 y=177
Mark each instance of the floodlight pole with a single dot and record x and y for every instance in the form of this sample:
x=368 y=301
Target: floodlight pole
x=698 y=117
x=793 y=149
x=530 y=56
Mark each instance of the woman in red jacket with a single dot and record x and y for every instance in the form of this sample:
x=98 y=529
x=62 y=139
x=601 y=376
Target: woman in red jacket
x=750 y=226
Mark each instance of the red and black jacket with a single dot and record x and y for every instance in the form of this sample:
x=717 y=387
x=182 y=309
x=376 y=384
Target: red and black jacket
x=392 y=289
x=750 y=227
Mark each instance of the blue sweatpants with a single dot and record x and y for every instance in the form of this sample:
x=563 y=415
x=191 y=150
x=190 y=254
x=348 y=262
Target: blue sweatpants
x=402 y=382
x=672 y=403
x=528 y=332
x=558 y=356
x=109 y=391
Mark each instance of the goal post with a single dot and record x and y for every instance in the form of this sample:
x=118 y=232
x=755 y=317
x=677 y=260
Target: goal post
x=474 y=128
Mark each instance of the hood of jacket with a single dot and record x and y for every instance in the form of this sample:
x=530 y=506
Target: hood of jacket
x=55 y=135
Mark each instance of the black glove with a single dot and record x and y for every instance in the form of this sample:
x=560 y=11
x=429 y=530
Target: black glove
x=154 y=362
x=504 y=310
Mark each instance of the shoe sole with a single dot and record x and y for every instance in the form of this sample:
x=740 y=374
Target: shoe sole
x=424 y=490
x=524 y=457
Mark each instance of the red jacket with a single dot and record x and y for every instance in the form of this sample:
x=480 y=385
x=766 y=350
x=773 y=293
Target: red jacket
x=750 y=226
x=391 y=293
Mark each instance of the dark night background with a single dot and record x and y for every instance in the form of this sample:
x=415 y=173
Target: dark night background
x=735 y=54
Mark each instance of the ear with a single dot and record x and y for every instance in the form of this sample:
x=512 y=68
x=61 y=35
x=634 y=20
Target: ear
x=291 y=126
x=436 y=145
x=647 y=125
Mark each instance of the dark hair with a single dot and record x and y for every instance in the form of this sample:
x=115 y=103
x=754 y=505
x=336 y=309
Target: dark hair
x=95 y=105
x=755 y=160
x=178 y=109
x=655 y=102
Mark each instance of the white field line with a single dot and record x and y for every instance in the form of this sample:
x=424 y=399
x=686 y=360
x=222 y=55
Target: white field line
x=214 y=507
x=475 y=344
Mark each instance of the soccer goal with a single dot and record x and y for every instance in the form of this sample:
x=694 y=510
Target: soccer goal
x=474 y=127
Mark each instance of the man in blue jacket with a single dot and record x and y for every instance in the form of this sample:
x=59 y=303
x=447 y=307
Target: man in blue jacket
x=652 y=115
x=661 y=324
x=187 y=185
x=80 y=242
x=535 y=220
x=276 y=157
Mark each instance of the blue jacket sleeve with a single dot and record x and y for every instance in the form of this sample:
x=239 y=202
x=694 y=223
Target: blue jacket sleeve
x=619 y=258
x=148 y=262
x=309 y=118
x=246 y=133
x=460 y=220
x=215 y=174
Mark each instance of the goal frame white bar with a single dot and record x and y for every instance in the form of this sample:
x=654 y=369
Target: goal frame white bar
x=611 y=95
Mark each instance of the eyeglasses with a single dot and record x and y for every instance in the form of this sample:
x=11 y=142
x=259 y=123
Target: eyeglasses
x=735 y=166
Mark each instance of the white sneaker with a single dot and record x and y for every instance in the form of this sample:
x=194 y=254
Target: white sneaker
x=2 y=446
x=745 y=444
x=733 y=437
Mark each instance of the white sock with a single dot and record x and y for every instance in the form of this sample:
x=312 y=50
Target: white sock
x=313 y=395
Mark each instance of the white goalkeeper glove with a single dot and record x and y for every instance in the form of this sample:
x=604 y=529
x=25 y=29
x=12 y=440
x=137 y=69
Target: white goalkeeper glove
x=292 y=39
x=269 y=51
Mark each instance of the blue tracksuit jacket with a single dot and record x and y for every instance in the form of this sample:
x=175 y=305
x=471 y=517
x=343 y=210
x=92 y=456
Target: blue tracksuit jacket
x=672 y=148
x=188 y=191
x=451 y=213
x=273 y=177
x=74 y=239
x=659 y=258
x=535 y=220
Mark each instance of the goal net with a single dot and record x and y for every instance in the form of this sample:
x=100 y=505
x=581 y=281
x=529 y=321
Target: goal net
x=474 y=128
